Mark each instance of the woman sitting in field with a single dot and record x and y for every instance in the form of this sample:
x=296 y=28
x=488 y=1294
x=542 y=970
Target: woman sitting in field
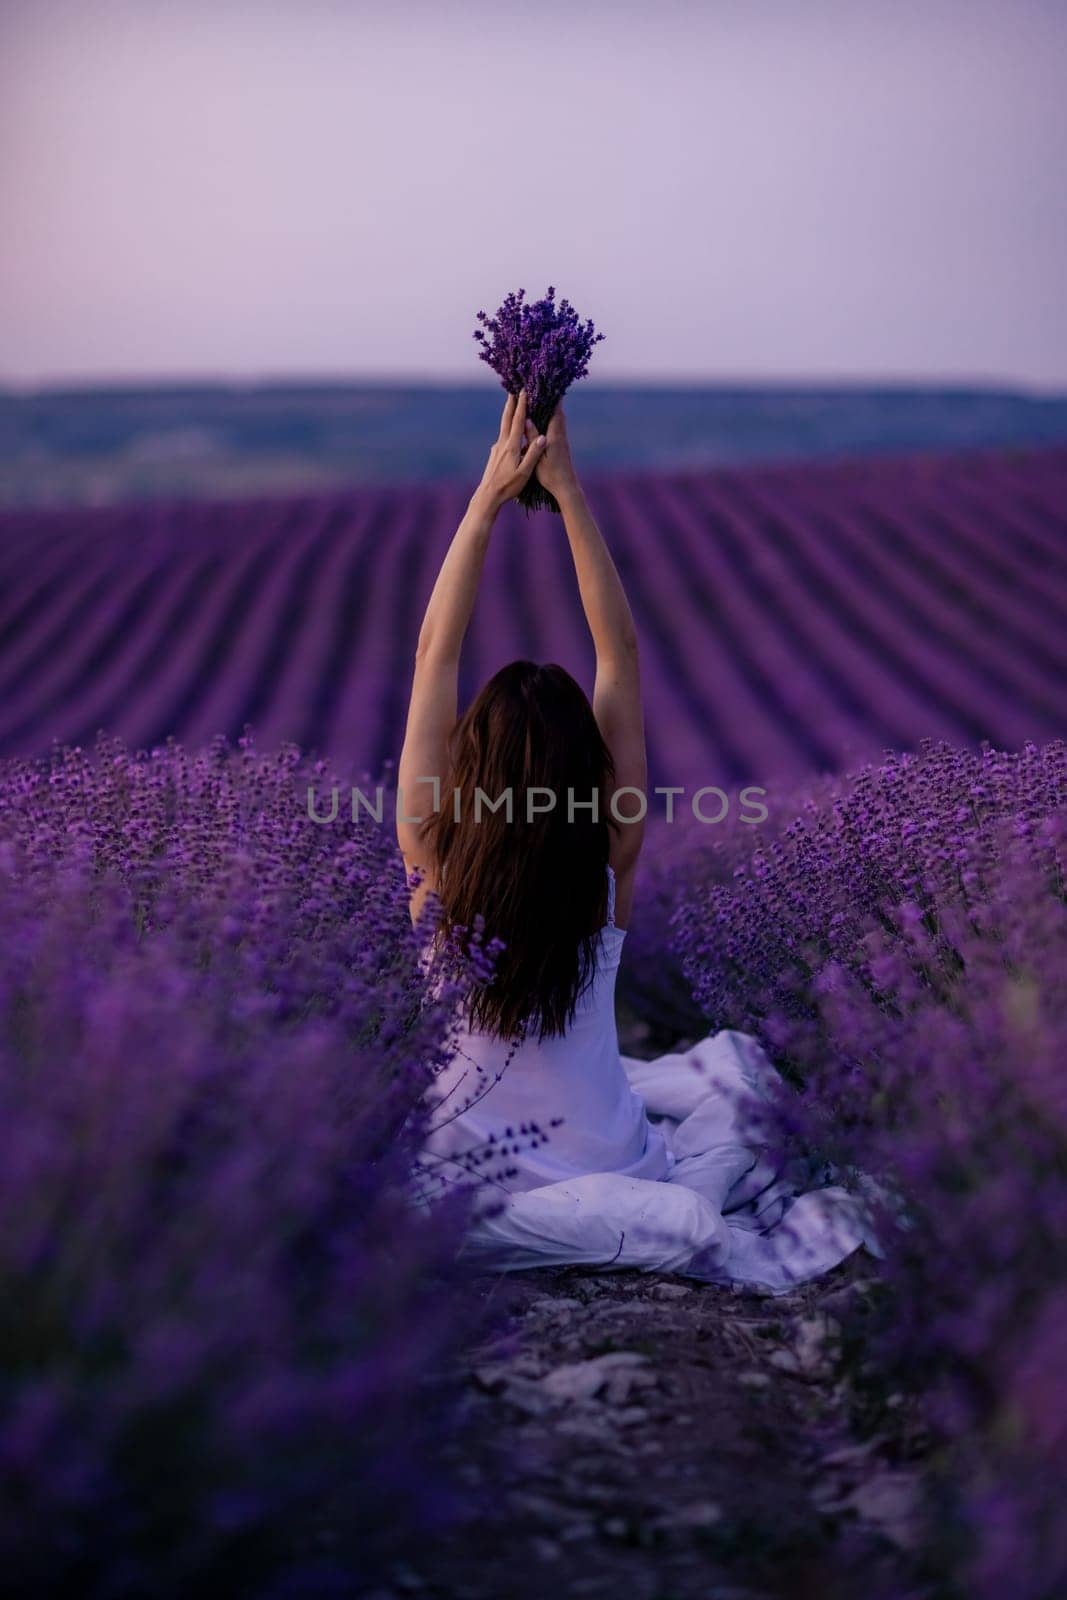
x=582 y=1155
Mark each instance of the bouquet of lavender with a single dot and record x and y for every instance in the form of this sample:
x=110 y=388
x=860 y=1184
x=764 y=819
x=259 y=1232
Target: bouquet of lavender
x=543 y=348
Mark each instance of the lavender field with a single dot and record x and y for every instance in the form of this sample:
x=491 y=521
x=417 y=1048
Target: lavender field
x=791 y=618
x=291 y=294
x=240 y=1363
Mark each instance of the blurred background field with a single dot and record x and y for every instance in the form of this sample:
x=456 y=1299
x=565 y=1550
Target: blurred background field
x=817 y=575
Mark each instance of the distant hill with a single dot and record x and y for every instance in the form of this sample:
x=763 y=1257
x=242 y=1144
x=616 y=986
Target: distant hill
x=112 y=445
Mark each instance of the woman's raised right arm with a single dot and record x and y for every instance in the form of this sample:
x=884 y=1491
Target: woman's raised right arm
x=604 y=601
x=617 y=691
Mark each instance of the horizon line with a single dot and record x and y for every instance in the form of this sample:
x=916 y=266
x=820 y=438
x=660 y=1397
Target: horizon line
x=139 y=383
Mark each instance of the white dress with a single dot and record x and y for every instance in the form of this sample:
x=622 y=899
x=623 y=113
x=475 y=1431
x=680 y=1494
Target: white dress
x=584 y=1156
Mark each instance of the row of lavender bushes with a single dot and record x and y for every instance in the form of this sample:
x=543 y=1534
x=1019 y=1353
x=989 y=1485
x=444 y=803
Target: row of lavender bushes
x=897 y=938
x=214 y=1029
x=219 y=1312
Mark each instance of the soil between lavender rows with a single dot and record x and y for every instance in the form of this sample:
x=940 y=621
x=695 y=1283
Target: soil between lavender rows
x=638 y=1435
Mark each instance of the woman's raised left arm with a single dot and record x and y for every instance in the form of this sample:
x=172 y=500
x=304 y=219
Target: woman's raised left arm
x=435 y=687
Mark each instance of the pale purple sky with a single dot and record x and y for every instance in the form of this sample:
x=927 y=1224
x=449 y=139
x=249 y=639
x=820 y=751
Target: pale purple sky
x=754 y=189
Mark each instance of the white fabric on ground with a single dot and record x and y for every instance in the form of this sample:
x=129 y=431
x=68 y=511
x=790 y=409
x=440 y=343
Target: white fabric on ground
x=653 y=1165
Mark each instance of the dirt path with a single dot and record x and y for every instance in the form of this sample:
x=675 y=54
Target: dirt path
x=653 y=1439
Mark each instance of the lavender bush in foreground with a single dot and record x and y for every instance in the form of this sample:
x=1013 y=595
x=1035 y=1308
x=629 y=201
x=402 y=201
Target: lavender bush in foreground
x=543 y=348
x=219 y=1311
x=901 y=948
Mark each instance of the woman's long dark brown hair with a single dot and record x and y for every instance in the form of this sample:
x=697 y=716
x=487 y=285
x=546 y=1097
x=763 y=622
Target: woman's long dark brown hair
x=539 y=884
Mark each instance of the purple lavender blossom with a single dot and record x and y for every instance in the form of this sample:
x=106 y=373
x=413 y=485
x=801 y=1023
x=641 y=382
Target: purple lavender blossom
x=899 y=943
x=215 y=1034
x=543 y=348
